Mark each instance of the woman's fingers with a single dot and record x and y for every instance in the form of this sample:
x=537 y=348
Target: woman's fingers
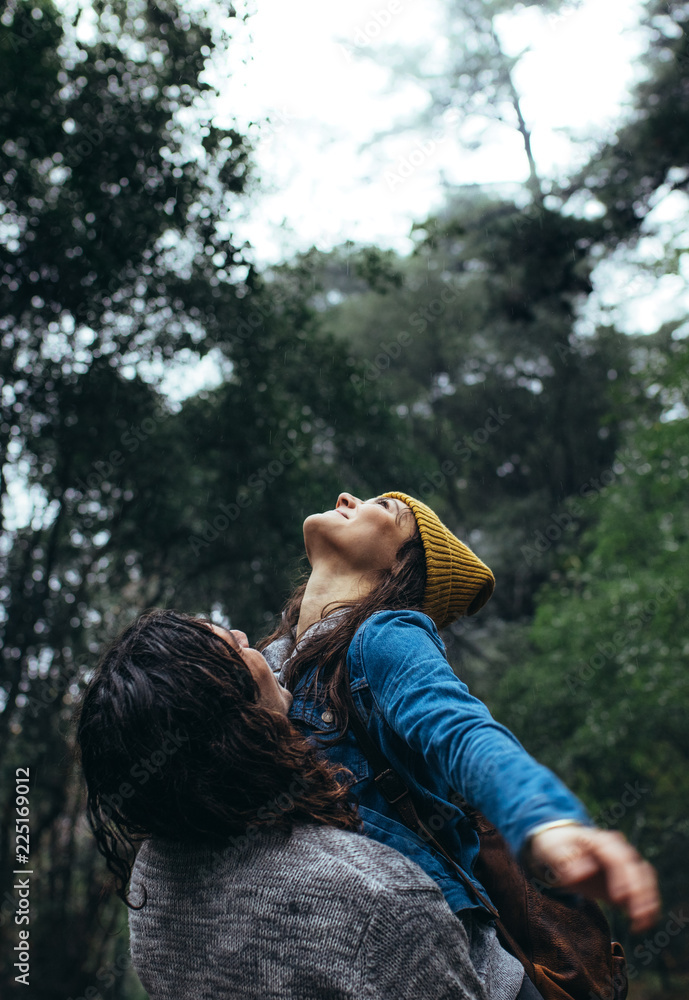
x=631 y=882
x=600 y=864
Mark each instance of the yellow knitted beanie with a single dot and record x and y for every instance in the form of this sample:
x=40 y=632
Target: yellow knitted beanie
x=457 y=582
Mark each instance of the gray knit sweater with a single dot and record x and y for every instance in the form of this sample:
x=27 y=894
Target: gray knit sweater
x=322 y=914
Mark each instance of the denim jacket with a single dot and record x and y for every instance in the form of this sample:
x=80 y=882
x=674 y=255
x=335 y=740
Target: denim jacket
x=440 y=739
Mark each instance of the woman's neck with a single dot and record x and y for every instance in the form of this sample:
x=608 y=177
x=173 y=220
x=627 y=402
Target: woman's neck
x=326 y=587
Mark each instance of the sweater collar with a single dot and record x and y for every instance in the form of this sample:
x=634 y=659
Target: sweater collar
x=280 y=653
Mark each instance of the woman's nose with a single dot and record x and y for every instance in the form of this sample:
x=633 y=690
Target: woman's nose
x=346 y=500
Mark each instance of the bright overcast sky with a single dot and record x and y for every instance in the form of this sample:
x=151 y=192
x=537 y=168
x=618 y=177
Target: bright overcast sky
x=314 y=72
x=312 y=76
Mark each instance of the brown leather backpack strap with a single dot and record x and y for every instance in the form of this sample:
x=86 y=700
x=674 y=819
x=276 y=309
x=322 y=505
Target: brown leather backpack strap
x=395 y=791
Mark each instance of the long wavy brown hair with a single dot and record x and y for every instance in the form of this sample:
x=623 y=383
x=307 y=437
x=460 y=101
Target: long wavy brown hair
x=401 y=587
x=174 y=744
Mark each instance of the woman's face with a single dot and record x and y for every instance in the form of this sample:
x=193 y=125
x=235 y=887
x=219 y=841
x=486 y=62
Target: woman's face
x=366 y=534
x=273 y=695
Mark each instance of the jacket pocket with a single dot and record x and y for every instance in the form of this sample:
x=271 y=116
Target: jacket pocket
x=317 y=723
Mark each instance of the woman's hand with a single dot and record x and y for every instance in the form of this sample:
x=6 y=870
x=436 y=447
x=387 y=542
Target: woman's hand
x=600 y=864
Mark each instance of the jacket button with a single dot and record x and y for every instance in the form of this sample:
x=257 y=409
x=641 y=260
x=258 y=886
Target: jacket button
x=327 y=716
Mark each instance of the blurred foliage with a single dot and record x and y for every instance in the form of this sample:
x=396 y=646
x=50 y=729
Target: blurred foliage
x=600 y=688
x=457 y=373
x=478 y=353
x=649 y=155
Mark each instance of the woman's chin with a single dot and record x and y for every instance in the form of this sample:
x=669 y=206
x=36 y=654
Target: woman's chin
x=309 y=524
x=318 y=533
x=317 y=522
x=311 y=534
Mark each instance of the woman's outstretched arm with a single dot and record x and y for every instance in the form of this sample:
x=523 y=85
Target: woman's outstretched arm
x=433 y=711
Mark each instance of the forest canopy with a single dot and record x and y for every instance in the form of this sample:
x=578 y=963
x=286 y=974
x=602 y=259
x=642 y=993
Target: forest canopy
x=459 y=372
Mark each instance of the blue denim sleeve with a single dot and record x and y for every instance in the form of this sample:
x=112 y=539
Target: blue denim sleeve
x=432 y=710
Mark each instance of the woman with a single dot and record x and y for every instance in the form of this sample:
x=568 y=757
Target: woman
x=361 y=636
x=252 y=881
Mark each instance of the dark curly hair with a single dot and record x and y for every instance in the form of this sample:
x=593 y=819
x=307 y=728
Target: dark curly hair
x=173 y=743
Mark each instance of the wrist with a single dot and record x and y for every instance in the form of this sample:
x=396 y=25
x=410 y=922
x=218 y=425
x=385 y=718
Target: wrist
x=550 y=825
x=554 y=824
